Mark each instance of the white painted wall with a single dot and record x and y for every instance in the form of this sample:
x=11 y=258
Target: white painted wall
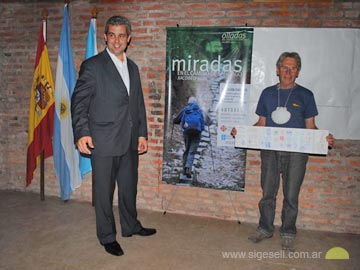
x=330 y=69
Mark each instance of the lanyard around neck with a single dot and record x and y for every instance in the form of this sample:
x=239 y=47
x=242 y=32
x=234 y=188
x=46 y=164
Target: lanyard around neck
x=287 y=100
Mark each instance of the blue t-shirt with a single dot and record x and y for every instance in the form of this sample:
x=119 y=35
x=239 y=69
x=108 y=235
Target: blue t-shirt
x=301 y=105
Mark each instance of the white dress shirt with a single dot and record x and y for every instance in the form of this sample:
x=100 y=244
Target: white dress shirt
x=122 y=68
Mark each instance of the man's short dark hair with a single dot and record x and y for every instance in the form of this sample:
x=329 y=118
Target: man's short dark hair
x=118 y=20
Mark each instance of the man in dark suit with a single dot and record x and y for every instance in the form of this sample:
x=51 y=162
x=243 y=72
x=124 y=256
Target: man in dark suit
x=109 y=123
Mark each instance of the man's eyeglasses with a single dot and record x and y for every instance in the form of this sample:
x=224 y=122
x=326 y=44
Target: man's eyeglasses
x=288 y=69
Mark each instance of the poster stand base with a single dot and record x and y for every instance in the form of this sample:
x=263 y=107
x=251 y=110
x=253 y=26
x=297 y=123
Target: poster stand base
x=187 y=181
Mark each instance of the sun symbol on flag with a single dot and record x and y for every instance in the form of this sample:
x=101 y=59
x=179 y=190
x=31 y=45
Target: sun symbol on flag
x=64 y=108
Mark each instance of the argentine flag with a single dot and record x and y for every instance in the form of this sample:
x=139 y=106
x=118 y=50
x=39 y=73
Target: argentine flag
x=91 y=50
x=66 y=157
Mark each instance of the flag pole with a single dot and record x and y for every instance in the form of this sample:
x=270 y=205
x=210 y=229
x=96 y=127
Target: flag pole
x=42 y=181
x=44 y=15
x=93 y=16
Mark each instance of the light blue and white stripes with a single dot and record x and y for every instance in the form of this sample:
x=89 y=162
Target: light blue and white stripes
x=66 y=157
x=91 y=50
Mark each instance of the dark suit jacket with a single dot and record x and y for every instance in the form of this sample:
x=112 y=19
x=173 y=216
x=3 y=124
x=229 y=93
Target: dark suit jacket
x=101 y=107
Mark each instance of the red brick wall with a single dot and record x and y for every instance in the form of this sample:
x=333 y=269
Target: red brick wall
x=330 y=194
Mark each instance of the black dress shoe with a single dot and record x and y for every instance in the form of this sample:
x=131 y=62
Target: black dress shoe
x=143 y=232
x=114 y=248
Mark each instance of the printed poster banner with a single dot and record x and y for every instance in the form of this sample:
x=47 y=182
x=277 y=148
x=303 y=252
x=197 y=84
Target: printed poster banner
x=301 y=140
x=210 y=66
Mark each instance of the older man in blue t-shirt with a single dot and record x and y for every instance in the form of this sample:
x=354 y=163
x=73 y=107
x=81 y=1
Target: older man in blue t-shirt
x=290 y=105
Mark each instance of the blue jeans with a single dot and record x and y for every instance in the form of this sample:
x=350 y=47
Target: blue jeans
x=191 y=146
x=292 y=167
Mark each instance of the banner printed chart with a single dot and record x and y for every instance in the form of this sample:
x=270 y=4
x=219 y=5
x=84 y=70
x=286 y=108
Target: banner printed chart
x=301 y=140
x=212 y=64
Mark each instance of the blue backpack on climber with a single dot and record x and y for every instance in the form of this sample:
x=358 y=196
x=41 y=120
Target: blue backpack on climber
x=192 y=120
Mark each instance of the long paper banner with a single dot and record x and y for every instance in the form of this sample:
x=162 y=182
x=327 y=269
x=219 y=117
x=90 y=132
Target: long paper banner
x=312 y=141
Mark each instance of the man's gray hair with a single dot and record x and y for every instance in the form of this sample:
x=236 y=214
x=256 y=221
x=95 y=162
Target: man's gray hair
x=284 y=55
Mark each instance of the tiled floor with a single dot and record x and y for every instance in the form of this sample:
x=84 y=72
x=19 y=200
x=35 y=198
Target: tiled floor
x=51 y=234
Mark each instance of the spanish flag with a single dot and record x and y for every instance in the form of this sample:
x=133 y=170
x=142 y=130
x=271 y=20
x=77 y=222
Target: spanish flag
x=41 y=112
